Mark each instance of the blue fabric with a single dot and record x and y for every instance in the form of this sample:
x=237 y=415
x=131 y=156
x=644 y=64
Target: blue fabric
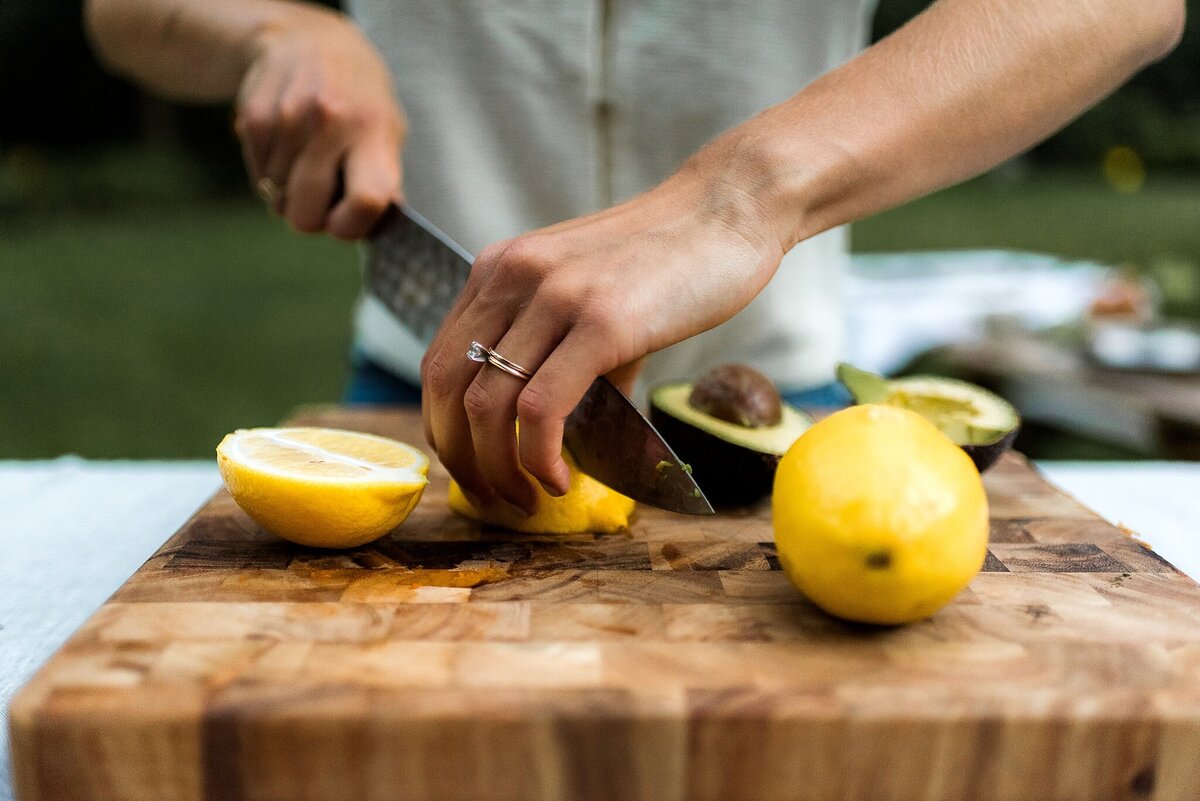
x=372 y=384
x=827 y=396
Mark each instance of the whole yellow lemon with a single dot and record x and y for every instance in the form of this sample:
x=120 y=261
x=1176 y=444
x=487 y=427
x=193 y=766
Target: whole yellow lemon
x=878 y=516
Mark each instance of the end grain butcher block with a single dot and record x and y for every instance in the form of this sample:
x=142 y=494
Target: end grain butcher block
x=670 y=663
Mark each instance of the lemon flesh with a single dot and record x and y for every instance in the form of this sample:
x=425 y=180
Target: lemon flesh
x=587 y=506
x=322 y=487
x=878 y=516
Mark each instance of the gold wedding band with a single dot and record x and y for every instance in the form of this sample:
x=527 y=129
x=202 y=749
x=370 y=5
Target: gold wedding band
x=484 y=354
x=269 y=191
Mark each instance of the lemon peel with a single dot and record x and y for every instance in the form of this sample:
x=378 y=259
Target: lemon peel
x=322 y=487
x=878 y=516
x=587 y=506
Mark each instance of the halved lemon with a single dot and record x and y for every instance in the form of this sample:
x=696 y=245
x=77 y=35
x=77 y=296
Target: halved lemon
x=321 y=486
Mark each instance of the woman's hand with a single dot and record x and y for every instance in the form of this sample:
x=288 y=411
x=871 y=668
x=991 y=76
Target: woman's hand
x=318 y=120
x=578 y=300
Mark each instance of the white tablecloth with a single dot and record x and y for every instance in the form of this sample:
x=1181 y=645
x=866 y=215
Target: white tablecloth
x=71 y=531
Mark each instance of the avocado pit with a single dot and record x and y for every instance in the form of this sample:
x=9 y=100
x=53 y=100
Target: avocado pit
x=731 y=426
x=738 y=394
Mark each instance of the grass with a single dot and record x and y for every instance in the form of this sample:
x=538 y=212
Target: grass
x=152 y=333
x=146 y=332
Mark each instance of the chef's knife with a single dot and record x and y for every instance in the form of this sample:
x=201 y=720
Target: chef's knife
x=417 y=272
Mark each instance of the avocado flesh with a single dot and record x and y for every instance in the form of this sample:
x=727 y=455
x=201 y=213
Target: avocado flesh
x=968 y=414
x=734 y=465
x=776 y=439
x=981 y=423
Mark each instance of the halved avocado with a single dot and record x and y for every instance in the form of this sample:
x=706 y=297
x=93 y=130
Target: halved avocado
x=980 y=422
x=734 y=464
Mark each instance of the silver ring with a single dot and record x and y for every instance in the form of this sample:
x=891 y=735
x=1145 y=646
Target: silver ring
x=482 y=353
x=269 y=191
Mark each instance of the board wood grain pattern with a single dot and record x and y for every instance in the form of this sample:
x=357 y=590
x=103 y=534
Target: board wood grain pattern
x=672 y=662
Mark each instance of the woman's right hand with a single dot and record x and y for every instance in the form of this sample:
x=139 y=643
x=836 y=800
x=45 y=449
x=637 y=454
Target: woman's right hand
x=319 y=124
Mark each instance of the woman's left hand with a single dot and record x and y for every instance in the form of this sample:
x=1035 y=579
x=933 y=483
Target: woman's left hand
x=581 y=299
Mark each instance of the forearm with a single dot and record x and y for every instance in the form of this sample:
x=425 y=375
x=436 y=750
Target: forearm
x=962 y=87
x=191 y=49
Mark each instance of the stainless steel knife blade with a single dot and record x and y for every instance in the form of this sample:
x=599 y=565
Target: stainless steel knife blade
x=418 y=272
x=616 y=445
x=415 y=269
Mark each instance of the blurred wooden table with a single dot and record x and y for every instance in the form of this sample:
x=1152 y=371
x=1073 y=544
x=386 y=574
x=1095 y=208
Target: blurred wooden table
x=1054 y=384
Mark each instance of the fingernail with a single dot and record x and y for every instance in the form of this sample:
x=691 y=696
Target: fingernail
x=552 y=490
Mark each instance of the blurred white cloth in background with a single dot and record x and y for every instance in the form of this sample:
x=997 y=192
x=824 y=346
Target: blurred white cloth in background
x=900 y=304
x=71 y=532
x=1156 y=500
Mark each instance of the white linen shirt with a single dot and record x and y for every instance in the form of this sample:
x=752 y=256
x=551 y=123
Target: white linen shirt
x=523 y=113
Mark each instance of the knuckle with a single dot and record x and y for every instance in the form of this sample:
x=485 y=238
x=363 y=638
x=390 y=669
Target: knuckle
x=526 y=259
x=326 y=109
x=254 y=121
x=521 y=251
x=487 y=258
x=535 y=403
x=291 y=113
x=435 y=373
x=478 y=401
x=521 y=261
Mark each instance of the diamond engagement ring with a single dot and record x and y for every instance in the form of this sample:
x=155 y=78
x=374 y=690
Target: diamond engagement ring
x=483 y=354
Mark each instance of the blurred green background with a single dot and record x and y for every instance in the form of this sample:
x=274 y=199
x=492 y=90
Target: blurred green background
x=149 y=304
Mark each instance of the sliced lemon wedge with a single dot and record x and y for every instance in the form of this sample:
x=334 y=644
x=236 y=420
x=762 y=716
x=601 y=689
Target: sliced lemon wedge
x=321 y=486
x=587 y=506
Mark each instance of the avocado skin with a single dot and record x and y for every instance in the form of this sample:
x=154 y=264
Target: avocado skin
x=984 y=456
x=728 y=474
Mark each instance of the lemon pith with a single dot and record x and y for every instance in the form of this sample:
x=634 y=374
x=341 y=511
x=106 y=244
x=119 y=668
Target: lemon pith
x=878 y=516
x=322 y=487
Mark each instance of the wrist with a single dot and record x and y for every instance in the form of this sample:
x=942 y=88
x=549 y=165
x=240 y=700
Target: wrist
x=790 y=180
x=289 y=21
x=723 y=189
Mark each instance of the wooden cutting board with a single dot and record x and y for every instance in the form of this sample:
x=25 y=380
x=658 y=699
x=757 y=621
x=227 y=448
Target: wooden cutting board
x=670 y=663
